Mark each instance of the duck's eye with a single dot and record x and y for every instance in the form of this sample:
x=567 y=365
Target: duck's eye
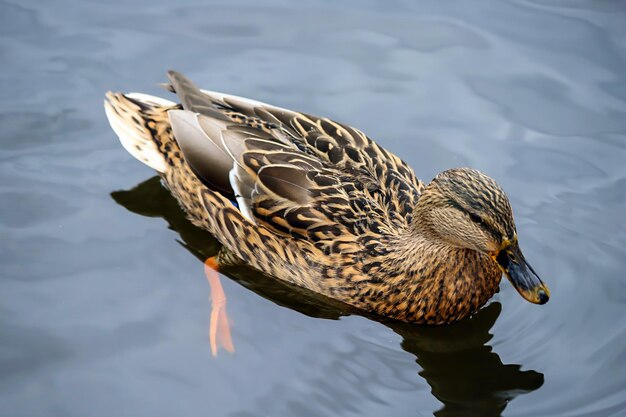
x=503 y=259
x=476 y=219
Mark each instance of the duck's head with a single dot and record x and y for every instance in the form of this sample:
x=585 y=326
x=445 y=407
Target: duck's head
x=465 y=208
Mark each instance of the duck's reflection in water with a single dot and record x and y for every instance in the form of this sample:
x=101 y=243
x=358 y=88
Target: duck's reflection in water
x=461 y=368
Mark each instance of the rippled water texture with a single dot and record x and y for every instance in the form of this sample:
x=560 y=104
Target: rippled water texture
x=104 y=305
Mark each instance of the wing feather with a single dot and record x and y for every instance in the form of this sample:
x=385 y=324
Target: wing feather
x=296 y=174
x=288 y=182
x=205 y=155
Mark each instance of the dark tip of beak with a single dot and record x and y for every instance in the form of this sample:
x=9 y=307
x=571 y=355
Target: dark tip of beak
x=543 y=297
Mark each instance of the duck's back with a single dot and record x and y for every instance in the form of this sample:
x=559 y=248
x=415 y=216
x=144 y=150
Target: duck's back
x=297 y=175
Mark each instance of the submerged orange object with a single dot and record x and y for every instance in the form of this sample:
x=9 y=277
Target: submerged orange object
x=219 y=327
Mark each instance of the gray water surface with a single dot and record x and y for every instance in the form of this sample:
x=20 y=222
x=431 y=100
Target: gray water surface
x=104 y=307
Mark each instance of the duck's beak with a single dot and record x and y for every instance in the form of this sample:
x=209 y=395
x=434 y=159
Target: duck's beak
x=521 y=275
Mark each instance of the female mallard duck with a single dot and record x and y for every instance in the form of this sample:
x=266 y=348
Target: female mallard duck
x=318 y=204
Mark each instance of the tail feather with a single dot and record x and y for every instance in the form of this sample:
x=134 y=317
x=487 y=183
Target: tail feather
x=128 y=115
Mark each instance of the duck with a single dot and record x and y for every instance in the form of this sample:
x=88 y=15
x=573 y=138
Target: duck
x=318 y=204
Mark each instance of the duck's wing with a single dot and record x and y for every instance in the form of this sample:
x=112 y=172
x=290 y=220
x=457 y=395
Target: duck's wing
x=296 y=174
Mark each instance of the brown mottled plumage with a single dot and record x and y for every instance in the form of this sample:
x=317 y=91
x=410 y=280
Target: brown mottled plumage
x=321 y=205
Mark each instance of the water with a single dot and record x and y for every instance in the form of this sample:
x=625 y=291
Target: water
x=104 y=306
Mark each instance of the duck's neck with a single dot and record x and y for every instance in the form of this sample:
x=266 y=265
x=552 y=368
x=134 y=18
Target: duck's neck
x=420 y=279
